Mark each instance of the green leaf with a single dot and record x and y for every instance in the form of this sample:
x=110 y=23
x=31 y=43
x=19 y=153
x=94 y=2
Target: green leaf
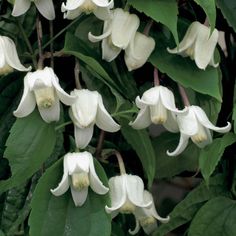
x=167 y=166
x=161 y=11
x=234 y=117
x=210 y=155
x=184 y=71
x=141 y=143
x=59 y=216
x=30 y=143
x=215 y=218
x=210 y=10
x=227 y=8
x=188 y=207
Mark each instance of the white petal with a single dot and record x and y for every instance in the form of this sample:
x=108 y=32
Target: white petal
x=63 y=96
x=117 y=193
x=207 y=141
x=64 y=184
x=109 y=51
x=183 y=142
x=46 y=8
x=52 y=113
x=124 y=26
x=85 y=108
x=152 y=211
x=189 y=38
x=102 y=13
x=103 y=119
x=11 y=54
x=95 y=183
x=73 y=4
x=188 y=123
x=83 y=136
x=151 y=96
x=103 y=3
x=106 y=33
x=143 y=120
x=76 y=162
x=20 y=7
x=205 y=47
x=71 y=14
x=171 y=122
x=27 y=103
x=202 y=117
x=138 y=51
x=79 y=197
x=135 y=188
x=136 y=229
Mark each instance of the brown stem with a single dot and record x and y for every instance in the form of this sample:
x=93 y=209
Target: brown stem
x=120 y=162
x=156 y=77
x=39 y=36
x=148 y=27
x=76 y=72
x=184 y=96
x=51 y=44
x=100 y=143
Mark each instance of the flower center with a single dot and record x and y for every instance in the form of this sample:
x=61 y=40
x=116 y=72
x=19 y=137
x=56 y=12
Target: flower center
x=200 y=136
x=158 y=113
x=80 y=180
x=45 y=97
x=5 y=69
x=88 y=6
x=149 y=220
x=128 y=207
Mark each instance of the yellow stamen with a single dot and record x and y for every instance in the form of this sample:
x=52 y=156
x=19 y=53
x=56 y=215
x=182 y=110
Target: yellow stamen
x=80 y=180
x=158 y=113
x=149 y=220
x=5 y=69
x=88 y=6
x=200 y=136
x=45 y=97
x=128 y=207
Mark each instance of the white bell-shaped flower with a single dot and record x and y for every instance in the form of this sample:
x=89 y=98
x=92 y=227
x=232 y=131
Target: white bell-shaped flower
x=45 y=7
x=138 y=51
x=127 y=193
x=195 y=124
x=79 y=174
x=157 y=106
x=100 y=8
x=87 y=111
x=118 y=32
x=147 y=217
x=42 y=88
x=9 y=59
x=199 y=44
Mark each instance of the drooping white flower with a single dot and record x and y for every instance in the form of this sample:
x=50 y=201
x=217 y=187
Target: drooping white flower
x=194 y=124
x=8 y=57
x=199 y=44
x=45 y=7
x=127 y=193
x=118 y=32
x=79 y=174
x=42 y=88
x=87 y=111
x=157 y=106
x=147 y=218
x=100 y=8
x=138 y=51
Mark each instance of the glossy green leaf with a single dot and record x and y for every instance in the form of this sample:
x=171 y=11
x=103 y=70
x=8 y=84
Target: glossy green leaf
x=30 y=143
x=167 y=166
x=184 y=71
x=215 y=218
x=59 y=216
x=187 y=208
x=234 y=117
x=210 y=10
x=160 y=11
x=227 y=8
x=141 y=143
x=210 y=155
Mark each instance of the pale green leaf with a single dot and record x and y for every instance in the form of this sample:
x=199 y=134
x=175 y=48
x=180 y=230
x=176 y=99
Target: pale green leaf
x=160 y=11
x=210 y=10
x=228 y=9
x=215 y=218
x=210 y=155
x=59 y=216
x=30 y=143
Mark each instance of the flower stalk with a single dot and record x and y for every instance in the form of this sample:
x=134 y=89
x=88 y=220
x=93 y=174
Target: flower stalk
x=184 y=96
